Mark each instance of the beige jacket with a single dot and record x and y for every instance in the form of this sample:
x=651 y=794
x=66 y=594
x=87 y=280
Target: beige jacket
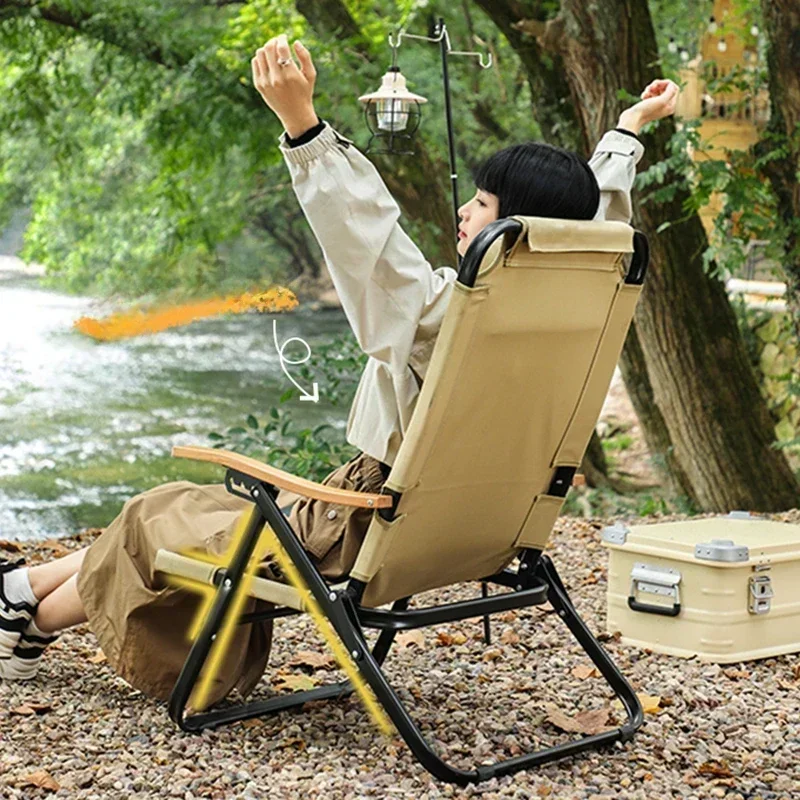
x=393 y=298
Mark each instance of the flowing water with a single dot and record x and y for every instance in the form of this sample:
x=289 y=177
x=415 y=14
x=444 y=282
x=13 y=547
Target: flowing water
x=84 y=425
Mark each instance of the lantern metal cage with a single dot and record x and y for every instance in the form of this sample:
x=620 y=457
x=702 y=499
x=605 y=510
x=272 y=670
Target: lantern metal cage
x=392 y=115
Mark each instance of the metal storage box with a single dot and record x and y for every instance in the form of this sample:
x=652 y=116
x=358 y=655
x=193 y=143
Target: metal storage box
x=723 y=588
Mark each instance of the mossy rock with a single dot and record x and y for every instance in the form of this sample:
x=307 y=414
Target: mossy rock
x=784 y=431
x=770 y=330
x=772 y=361
x=777 y=391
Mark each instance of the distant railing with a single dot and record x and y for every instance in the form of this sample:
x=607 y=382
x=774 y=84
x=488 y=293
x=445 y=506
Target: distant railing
x=759 y=294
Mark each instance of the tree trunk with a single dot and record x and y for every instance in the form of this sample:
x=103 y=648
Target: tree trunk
x=694 y=390
x=782 y=20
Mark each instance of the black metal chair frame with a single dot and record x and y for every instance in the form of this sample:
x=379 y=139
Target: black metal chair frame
x=534 y=582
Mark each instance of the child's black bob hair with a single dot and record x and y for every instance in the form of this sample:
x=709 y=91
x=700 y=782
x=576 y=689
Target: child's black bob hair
x=535 y=179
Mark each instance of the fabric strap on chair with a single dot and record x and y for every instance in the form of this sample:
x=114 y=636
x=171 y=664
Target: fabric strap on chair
x=516 y=381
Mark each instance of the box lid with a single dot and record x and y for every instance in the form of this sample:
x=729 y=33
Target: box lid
x=731 y=539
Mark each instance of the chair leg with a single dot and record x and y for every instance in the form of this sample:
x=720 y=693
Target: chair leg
x=487 y=629
x=341 y=611
x=435 y=765
x=212 y=719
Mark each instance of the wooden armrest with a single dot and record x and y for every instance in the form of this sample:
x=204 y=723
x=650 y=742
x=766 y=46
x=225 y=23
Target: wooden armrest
x=284 y=480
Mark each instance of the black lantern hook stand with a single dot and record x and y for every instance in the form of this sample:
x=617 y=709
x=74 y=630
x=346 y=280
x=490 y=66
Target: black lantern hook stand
x=393 y=112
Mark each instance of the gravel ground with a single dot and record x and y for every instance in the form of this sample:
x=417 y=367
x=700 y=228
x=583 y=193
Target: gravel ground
x=728 y=731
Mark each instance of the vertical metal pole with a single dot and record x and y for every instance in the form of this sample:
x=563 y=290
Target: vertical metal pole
x=448 y=115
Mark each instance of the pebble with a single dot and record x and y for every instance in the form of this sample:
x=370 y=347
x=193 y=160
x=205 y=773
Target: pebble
x=103 y=739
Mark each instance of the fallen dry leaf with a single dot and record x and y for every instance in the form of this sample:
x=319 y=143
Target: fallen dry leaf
x=719 y=769
x=445 y=639
x=584 y=671
x=735 y=674
x=607 y=637
x=651 y=704
x=790 y=686
x=588 y=722
x=253 y=722
x=57 y=547
x=293 y=741
x=98 y=658
x=407 y=638
x=11 y=547
x=29 y=709
x=796 y=671
x=41 y=779
x=492 y=655
x=309 y=658
x=297 y=683
x=509 y=636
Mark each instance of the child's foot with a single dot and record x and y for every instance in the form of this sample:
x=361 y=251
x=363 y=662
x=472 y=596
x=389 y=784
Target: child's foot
x=27 y=655
x=17 y=604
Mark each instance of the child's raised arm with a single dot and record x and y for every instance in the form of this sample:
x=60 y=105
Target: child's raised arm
x=387 y=288
x=619 y=151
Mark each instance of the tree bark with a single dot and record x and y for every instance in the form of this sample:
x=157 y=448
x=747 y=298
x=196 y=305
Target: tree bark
x=694 y=390
x=782 y=21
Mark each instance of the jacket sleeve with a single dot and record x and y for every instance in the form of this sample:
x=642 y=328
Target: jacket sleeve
x=386 y=286
x=614 y=165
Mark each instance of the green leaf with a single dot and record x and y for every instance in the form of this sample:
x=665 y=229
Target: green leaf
x=252 y=422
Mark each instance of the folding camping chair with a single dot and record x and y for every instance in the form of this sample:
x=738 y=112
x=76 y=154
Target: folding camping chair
x=516 y=381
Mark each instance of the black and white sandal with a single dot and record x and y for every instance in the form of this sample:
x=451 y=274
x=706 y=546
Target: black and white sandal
x=27 y=655
x=14 y=616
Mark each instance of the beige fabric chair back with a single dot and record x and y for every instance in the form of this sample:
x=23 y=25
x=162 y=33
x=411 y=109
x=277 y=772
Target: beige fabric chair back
x=516 y=381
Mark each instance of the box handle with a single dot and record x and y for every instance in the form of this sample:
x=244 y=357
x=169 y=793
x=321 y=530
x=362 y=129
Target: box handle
x=661 y=581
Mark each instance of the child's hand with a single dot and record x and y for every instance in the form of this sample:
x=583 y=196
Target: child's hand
x=658 y=101
x=287 y=90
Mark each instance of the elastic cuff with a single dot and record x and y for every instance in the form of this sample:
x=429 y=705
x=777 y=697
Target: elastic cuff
x=628 y=133
x=326 y=140
x=307 y=136
x=625 y=144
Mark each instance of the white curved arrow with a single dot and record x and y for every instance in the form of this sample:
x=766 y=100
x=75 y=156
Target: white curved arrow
x=314 y=398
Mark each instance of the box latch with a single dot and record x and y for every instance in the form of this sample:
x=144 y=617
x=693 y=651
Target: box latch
x=662 y=581
x=761 y=594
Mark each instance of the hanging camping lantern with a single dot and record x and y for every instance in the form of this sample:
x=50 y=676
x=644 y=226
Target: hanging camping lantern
x=392 y=113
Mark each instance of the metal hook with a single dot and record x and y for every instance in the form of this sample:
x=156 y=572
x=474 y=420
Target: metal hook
x=394 y=45
x=473 y=53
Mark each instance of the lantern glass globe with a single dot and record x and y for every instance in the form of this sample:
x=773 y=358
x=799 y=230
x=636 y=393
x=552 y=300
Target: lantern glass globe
x=392 y=114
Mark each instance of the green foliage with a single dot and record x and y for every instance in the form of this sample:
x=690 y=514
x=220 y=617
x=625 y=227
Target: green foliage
x=280 y=441
x=749 y=206
x=607 y=504
x=621 y=441
x=151 y=163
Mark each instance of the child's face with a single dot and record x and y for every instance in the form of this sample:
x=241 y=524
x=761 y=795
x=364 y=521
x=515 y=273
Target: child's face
x=475 y=216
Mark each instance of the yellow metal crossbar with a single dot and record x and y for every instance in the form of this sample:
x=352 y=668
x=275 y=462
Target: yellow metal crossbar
x=268 y=543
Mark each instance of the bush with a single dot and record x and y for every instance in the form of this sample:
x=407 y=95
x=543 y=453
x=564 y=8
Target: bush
x=280 y=441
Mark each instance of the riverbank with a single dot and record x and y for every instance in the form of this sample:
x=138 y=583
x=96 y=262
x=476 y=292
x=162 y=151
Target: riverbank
x=85 y=424
x=712 y=731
